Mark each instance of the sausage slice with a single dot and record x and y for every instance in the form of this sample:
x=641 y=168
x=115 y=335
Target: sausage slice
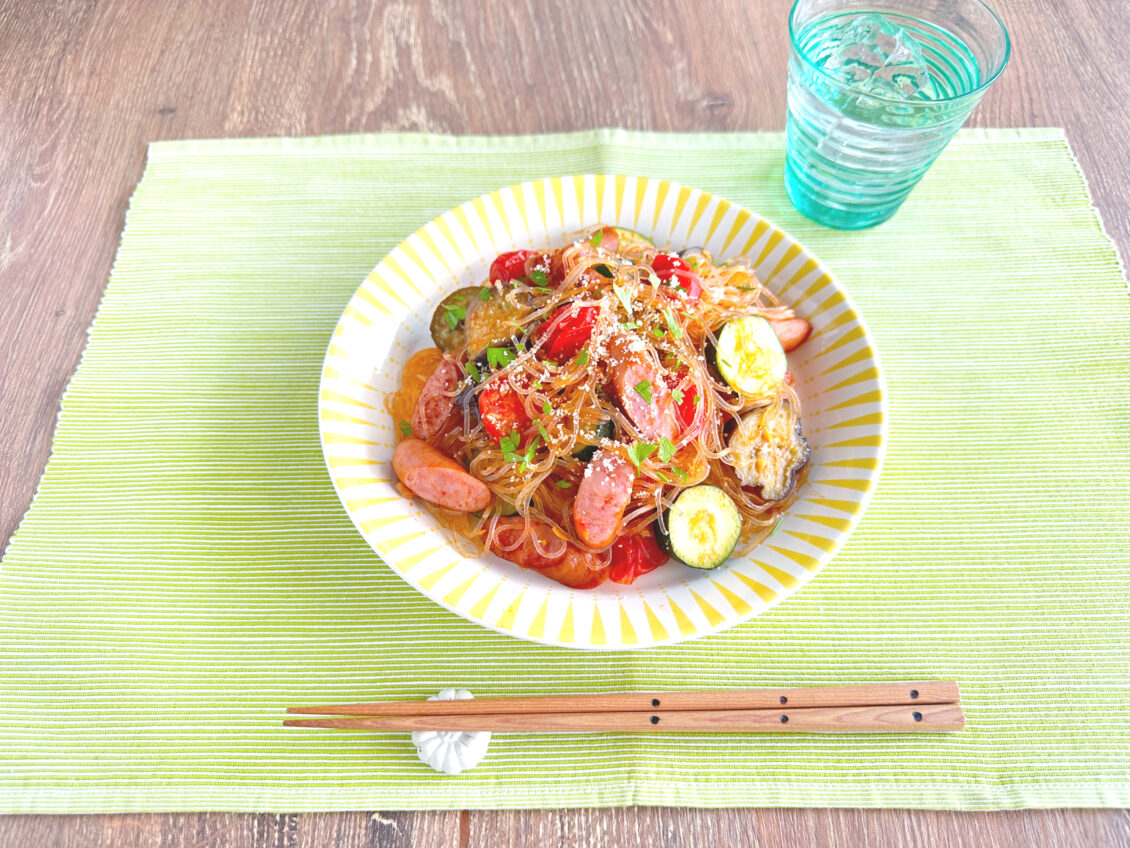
x=437 y=478
x=572 y=566
x=435 y=409
x=602 y=496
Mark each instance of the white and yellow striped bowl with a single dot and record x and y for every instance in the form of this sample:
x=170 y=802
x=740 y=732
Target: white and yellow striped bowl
x=387 y=319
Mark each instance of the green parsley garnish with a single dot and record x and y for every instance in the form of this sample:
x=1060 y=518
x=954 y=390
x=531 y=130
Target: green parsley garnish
x=596 y=238
x=541 y=430
x=630 y=325
x=509 y=444
x=454 y=314
x=625 y=295
x=657 y=332
x=539 y=278
x=562 y=484
x=663 y=477
x=666 y=449
x=680 y=473
x=485 y=293
x=697 y=399
x=500 y=357
x=537 y=385
x=583 y=357
x=671 y=325
x=473 y=371
x=546 y=407
x=677 y=395
x=405 y=429
x=640 y=451
x=643 y=389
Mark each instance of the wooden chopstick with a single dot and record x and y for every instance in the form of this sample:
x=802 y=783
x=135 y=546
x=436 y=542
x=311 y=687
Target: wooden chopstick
x=851 y=719
x=860 y=695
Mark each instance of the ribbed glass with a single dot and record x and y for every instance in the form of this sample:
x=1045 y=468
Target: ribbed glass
x=853 y=156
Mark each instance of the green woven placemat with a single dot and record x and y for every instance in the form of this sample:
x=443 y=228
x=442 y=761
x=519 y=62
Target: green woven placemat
x=186 y=570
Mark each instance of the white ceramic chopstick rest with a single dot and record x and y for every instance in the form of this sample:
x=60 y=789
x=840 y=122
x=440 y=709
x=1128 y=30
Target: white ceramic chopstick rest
x=451 y=751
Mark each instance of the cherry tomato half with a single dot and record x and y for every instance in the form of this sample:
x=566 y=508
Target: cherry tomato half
x=509 y=266
x=635 y=555
x=671 y=268
x=685 y=408
x=568 y=335
x=502 y=410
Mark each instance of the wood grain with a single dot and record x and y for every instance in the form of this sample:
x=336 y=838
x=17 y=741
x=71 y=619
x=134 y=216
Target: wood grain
x=887 y=719
x=86 y=85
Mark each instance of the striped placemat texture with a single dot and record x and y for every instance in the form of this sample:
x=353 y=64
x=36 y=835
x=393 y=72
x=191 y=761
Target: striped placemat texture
x=186 y=570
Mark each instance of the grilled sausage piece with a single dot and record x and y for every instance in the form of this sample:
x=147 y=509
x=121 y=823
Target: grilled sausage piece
x=437 y=478
x=572 y=566
x=791 y=332
x=435 y=409
x=641 y=391
x=602 y=496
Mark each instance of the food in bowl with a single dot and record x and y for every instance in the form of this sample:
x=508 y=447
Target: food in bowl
x=594 y=410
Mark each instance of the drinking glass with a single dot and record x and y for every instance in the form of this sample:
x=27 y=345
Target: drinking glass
x=876 y=90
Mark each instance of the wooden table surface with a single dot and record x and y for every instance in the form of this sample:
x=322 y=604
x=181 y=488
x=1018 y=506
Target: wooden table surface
x=85 y=85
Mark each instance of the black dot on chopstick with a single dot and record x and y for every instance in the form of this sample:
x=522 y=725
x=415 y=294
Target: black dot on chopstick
x=913 y=693
x=655 y=719
x=783 y=699
x=917 y=716
x=784 y=719
x=655 y=702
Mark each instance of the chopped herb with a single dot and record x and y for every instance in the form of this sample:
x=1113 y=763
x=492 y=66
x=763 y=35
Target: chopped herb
x=509 y=444
x=663 y=477
x=640 y=451
x=625 y=295
x=680 y=473
x=500 y=357
x=541 y=429
x=484 y=294
x=671 y=325
x=747 y=288
x=604 y=271
x=454 y=314
x=405 y=429
x=537 y=385
x=725 y=361
x=697 y=399
x=596 y=238
x=643 y=389
x=653 y=278
x=519 y=345
x=677 y=395
x=562 y=484
x=657 y=332
x=776 y=526
x=583 y=357
x=666 y=449
x=529 y=455
x=473 y=371
x=546 y=407
x=539 y=278
x=631 y=325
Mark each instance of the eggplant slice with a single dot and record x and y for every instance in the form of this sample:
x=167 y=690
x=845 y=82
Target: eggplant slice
x=768 y=450
x=449 y=321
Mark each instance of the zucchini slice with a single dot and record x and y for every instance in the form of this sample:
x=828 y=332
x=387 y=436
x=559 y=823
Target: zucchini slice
x=703 y=527
x=768 y=450
x=604 y=430
x=750 y=358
